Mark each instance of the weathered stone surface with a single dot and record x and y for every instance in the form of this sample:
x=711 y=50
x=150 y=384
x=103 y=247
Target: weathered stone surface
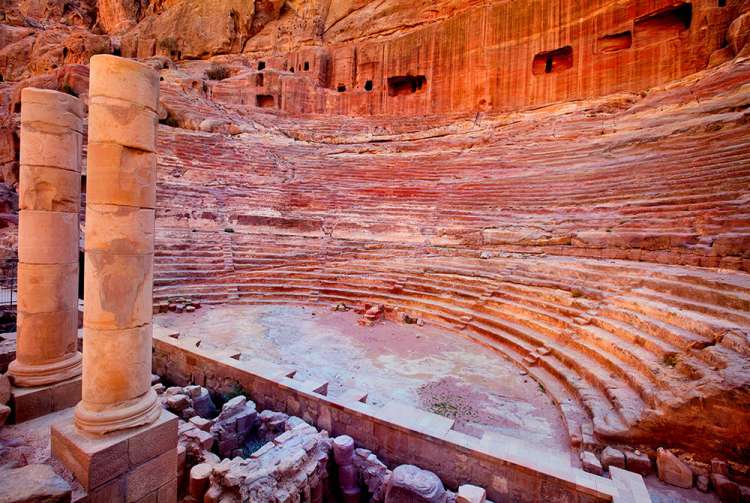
x=673 y=471
x=4 y=389
x=728 y=491
x=294 y=463
x=49 y=201
x=4 y=414
x=638 y=462
x=702 y=483
x=591 y=463
x=612 y=457
x=720 y=467
x=194 y=29
x=117 y=391
x=738 y=34
x=33 y=484
x=470 y=494
x=410 y=483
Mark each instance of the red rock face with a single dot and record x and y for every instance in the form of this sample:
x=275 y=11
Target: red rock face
x=564 y=182
x=507 y=55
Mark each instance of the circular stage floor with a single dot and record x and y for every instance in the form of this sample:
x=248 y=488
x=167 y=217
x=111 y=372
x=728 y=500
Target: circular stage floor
x=426 y=366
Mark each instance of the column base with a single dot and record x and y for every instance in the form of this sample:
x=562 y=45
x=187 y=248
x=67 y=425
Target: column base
x=101 y=420
x=134 y=465
x=30 y=403
x=25 y=375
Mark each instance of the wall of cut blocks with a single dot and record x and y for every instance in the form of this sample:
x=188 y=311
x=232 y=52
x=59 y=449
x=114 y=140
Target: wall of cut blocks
x=397 y=433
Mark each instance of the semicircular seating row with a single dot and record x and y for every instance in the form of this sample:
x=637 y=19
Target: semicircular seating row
x=616 y=344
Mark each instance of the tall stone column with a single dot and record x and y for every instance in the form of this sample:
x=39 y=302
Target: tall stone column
x=119 y=245
x=49 y=202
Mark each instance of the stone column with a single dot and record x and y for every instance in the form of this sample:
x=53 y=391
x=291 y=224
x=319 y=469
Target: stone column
x=343 y=452
x=119 y=244
x=49 y=202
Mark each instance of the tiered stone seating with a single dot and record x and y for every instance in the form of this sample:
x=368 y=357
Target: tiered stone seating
x=590 y=332
x=603 y=227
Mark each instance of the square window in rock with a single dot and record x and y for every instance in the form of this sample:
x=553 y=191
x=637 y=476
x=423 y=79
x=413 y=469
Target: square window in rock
x=407 y=84
x=341 y=88
x=307 y=66
x=261 y=65
x=555 y=61
x=264 y=101
x=663 y=24
x=615 y=42
x=368 y=85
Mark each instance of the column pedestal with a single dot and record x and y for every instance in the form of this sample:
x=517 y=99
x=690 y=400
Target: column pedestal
x=30 y=403
x=134 y=465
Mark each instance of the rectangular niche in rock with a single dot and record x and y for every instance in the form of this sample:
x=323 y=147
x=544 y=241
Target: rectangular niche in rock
x=555 y=61
x=406 y=84
x=663 y=24
x=264 y=101
x=614 y=42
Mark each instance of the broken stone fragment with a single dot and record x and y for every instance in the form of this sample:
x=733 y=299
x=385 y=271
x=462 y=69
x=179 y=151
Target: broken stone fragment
x=293 y=422
x=4 y=389
x=638 y=462
x=201 y=423
x=202 y=438
x=701 y=482
x=187 y=413
x=410 y=483
x=33 y=483
x=672 y=470
x=192 y=391
x=720 y=467
x=471 y=494
x=177 y=403
x=199 y=478
x=728 y=491
x=590 y=463
x=203 y=404
x=4 y=414
x=612 y=457
x=232 y=407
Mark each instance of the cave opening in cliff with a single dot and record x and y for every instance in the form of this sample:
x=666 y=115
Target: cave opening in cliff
x=615 y=42
x=264 y=101
x=261 y=65
x=406 y=84
x=664 y=23
x=553 y=61
x=341 y=88
x=722 y=3
x=307 y=66
x=368 y=85
x=259 y=80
